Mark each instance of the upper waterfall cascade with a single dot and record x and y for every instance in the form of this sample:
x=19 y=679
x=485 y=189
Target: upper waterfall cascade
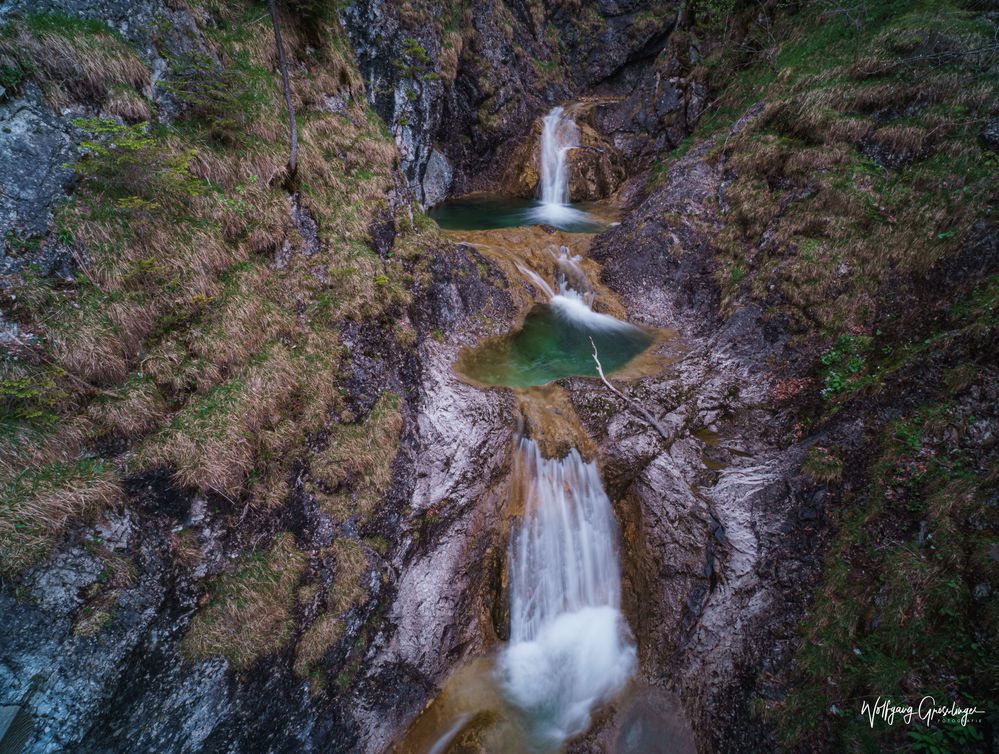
x=559 y=135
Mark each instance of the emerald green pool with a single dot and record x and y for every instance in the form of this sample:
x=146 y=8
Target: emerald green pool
x=492 y=213
x=554 y=342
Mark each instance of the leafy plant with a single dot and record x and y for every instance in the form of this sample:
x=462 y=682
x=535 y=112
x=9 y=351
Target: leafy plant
x=222 y=99
x=843 y=363
x=132 y=167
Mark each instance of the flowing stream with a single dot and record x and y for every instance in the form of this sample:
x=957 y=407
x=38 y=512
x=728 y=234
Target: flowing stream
x=557 y=338
x=569 y=648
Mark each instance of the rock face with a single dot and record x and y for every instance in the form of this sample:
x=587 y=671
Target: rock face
x=118 y=682
x=34 y=155
x=705 y=517
x=458 y=101
x=595 y=168
x=663 y=106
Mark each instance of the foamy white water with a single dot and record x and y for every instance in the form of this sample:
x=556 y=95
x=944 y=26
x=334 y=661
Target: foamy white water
x=571 y=277
x=569 y=648
x=539 y=281
x=574 y=300
x=559 y=134
x=572 y=307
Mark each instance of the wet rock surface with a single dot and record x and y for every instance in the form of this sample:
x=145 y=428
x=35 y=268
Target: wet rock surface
x=35 y=147
x=459 y=102
x=662 y=107
x=93 y=634
x=705 y=517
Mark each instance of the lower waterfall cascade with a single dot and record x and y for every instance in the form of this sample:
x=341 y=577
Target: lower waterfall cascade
x=569 y=648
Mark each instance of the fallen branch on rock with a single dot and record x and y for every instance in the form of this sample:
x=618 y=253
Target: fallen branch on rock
x=633 y=403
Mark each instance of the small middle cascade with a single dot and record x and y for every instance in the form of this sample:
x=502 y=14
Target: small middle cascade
x=557 y=338
x=569 y=648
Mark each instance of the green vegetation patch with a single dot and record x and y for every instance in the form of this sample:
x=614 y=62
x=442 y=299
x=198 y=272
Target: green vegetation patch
x=352 y=475
x=895 y=616
x=345 y=592
x=249 y=612
x=36 y=502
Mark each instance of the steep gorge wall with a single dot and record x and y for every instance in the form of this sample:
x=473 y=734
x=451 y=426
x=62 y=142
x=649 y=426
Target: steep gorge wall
x=461 y=83
x=245 y=503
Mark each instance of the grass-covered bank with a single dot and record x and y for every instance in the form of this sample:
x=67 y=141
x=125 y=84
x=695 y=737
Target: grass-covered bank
x=200 y=330
x=859 y=213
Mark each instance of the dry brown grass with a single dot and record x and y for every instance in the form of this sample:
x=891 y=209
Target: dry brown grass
x=85 y=345
x=73 y=66
x=249 y=312
x=250 y=609
x=355 y=469
x=37 y=503
x=128 y=105
x=134 y=410
x=346 y=591
x=212 y=443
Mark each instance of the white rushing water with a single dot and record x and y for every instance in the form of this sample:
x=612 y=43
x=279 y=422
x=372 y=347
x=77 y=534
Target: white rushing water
x=569 y=647
x=559 y=134
x=574 y=299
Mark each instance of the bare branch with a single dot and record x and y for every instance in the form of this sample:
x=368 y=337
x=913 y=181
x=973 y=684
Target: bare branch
x=283 y=65
x=634 y=404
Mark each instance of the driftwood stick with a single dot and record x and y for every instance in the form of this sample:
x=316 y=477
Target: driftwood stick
x=634 y=404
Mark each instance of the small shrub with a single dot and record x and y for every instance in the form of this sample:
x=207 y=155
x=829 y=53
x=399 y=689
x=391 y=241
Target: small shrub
x=822 y=464
x=133 y=168
x=843 y=364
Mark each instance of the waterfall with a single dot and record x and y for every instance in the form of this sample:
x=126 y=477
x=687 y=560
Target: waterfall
x=568 y=646
x=574 y=299
x=559 y=134
x=571 y=278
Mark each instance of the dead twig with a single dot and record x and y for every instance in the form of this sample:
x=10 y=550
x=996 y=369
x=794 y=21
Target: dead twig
x=634 y=404
x=283 y=65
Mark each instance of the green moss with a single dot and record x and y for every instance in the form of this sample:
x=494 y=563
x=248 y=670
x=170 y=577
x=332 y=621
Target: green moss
x=895 y=608
x=354 y=472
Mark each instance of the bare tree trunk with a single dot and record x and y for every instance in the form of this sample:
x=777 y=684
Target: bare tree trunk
x=283 y=65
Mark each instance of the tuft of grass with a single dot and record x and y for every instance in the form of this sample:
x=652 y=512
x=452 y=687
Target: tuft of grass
x=345 y=592
x=250 y=609
x=353 y=473
x=36 y=503
x=822 y=464
x=72 y=60
x=213 y=442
